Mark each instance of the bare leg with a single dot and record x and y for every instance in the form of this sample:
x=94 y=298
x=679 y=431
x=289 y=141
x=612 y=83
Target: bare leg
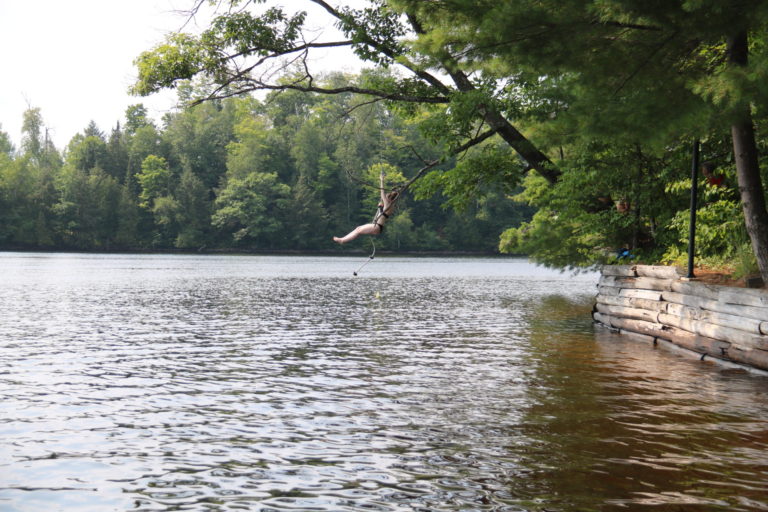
x=365 y=229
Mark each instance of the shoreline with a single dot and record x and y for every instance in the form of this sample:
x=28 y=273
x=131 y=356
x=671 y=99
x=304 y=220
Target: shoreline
x=266 y=252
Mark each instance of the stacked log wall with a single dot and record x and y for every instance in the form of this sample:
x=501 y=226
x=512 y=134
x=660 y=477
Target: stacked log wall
x=657 y=302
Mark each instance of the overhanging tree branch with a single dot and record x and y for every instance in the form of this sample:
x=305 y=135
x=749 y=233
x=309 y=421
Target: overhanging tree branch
x=429 y=165
x=256 y=85
x=525 y=148
x=384 y=49
x=235 y=76
x=288 y=51
x=432 y=163
x=496 y=120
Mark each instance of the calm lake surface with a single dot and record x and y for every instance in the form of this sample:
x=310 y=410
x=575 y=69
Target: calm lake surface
x=160 y=383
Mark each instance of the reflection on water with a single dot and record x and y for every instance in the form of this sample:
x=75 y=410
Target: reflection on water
x=265 y=383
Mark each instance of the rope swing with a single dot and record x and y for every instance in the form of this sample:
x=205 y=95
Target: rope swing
x=400 y=189
x=370 y=258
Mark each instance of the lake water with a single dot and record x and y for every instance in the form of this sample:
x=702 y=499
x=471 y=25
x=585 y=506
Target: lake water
x=159 y=382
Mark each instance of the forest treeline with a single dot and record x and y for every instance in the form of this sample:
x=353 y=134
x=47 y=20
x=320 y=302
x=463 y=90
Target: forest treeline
x=285 y=173
x=562 y=132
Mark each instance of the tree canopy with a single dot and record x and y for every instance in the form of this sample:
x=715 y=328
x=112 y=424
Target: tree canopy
x=283 y=174
x=617 y=75
x=601 y=101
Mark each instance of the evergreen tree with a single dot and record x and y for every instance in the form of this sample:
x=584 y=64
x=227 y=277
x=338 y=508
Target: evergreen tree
x=128 y=219
x=636 y=71
x=194 y=211
x=18 y=215
x=87 y=152
x=116 y=158
x=92 y=130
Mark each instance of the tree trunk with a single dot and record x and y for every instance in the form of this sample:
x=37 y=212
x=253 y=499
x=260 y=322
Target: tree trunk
x=747 y=167
x=751 y=190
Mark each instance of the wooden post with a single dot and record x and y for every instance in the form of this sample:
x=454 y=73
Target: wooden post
x=694 y=200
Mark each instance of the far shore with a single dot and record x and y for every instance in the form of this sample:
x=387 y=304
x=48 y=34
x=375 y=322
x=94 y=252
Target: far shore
x=347 y=251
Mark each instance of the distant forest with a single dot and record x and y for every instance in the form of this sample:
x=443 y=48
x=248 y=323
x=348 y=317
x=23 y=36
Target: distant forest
x=283 y=174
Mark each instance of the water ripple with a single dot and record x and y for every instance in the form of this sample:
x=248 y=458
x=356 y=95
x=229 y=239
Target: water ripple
x=158 y=383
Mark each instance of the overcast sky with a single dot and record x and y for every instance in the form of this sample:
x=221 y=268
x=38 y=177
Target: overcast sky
x=74 y=60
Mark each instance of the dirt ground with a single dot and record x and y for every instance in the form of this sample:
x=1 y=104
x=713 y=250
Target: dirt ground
x=714 y=276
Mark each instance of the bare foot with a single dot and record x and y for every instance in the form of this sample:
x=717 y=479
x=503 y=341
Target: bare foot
x=338 y=240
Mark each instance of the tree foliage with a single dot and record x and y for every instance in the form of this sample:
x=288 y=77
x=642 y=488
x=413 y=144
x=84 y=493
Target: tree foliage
x=286 y=173
x=624 y=74
x=600 y=99
x=592 y=95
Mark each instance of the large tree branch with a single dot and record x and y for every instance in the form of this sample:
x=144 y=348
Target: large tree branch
x=511 y=135
x=633 y=26
x=429 y=165
x=474 y=141
x=432 y=163
x=525 y=148
x=288 y=51
x=357 y=90
x=384 y=49
x=241 y=82
x=253 y=85
x=242 y=77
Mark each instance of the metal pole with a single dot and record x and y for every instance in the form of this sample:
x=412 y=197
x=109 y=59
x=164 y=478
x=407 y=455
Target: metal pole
x=694 y=199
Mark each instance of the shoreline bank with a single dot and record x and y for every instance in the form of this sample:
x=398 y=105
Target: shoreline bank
x=656 y=303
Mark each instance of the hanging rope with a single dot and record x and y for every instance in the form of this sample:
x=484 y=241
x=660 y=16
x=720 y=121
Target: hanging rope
x=370 y=258
x=403 y=188
x=400 y=189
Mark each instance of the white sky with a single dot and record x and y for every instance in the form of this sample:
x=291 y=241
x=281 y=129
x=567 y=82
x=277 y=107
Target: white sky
x=73 y=59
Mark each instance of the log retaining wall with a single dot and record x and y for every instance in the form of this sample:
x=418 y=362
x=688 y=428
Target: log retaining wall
x=657 y=303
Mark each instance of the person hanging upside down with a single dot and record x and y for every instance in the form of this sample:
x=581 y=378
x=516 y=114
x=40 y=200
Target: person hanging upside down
x=383 y=212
